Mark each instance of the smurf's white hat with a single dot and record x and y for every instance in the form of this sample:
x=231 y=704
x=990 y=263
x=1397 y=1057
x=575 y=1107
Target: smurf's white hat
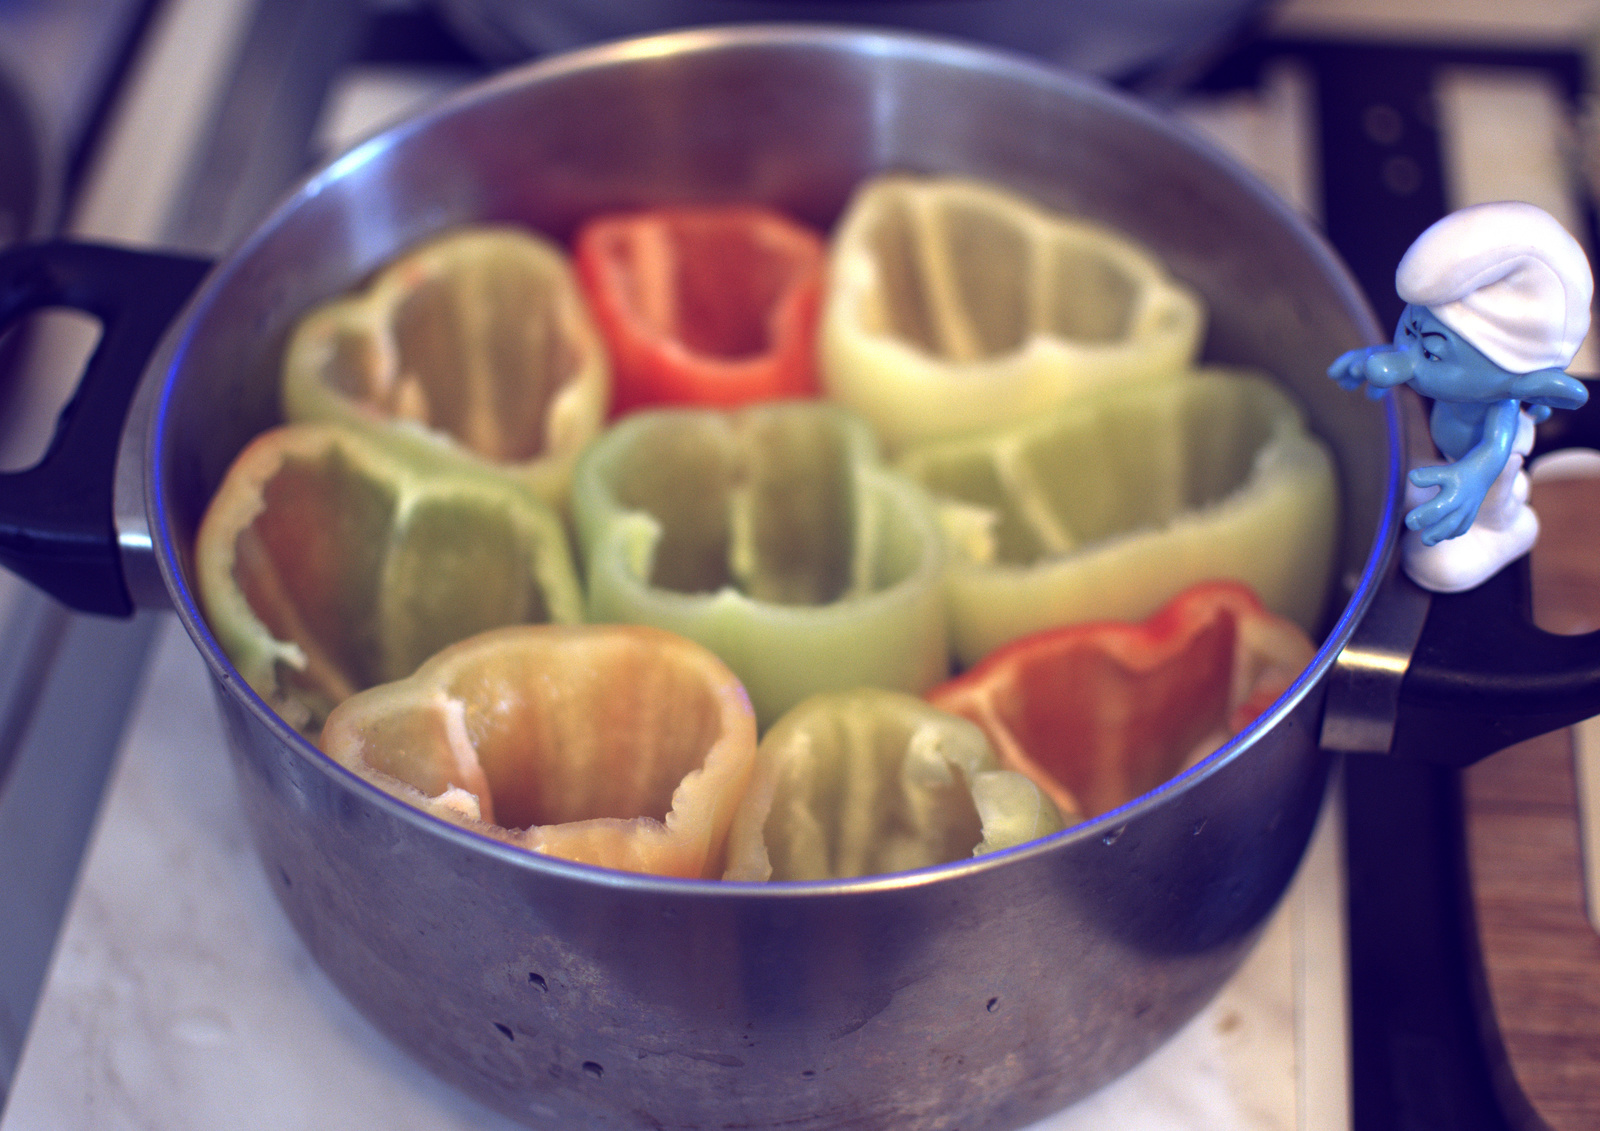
x=1508 y=278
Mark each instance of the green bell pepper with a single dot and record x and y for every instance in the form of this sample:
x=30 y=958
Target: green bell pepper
x=473 y=349
x=327 y=562
x=1109 y=506
x=775 y=537
x=856 y=783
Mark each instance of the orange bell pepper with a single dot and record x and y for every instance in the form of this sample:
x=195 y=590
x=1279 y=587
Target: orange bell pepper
x=616 y=745
x=1099 y=713
x=711 y=306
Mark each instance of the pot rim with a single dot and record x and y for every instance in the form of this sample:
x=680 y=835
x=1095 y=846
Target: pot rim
x=1376 y=570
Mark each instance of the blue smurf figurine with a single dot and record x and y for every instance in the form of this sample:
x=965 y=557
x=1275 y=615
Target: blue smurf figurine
x=1497 y=304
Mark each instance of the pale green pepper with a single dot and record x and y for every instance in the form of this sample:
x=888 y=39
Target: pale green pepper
x=856 y=783
x=772 y=535
x=328 y=562
x=1110 y=506
x=473 y=349
x=955 y=305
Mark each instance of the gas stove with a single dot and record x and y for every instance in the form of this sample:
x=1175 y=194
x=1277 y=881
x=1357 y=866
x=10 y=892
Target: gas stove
x=177 y=996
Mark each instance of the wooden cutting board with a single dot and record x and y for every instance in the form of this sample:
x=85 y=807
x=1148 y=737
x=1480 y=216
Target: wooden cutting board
x=1541 y=955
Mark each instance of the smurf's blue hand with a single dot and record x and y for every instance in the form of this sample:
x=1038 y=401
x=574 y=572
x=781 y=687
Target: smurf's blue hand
x=1379 y=368
x=1539 y=412
x=1448 y=514
x=1464 y=482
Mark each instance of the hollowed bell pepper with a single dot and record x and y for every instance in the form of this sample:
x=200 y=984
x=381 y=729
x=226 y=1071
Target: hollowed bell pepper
x=1111 y=505
x=856 y=783
x=474 y=348
x=954 y=305
x=1098 y=714
x=328 y=563
x=773 y=536
x=614 y=745
x=710 y=305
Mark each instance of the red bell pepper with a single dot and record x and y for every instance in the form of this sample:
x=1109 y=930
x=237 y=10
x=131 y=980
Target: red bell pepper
x=1100 y=713
x=712 y=306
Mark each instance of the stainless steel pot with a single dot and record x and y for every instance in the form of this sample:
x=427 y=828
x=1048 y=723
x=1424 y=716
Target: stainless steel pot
x=980 y=994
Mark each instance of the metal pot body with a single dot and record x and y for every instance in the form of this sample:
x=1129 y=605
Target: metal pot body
x=977 y=995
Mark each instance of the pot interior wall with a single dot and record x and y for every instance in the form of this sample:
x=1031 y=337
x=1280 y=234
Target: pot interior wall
x=796 y=124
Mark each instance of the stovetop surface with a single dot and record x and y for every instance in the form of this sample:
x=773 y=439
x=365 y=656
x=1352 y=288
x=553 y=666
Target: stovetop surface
x=177 y=990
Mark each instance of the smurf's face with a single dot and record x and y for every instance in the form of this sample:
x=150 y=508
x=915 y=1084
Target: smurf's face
x=1443 y=364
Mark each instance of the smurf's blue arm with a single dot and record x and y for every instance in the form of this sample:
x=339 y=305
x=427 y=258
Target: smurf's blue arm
x=1464 y=482
x=1379 y=368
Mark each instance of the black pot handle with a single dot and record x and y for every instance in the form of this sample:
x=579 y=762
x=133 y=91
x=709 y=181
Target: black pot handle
x=1482 y=676
x=56 y=518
